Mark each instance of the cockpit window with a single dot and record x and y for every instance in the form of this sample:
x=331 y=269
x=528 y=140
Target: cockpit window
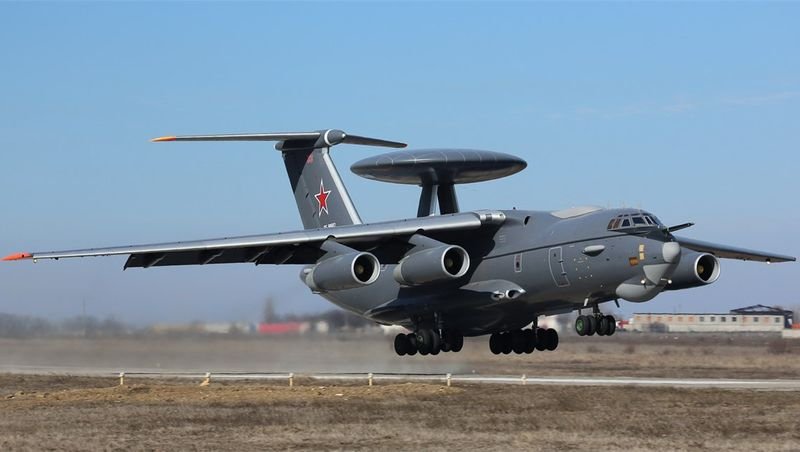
x=633 y=220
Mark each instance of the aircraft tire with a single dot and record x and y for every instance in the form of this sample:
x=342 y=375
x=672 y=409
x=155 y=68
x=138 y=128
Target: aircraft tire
x=495 y=345
x=518 y=342
x=436 y=343
x=602 y=326
x=458 y=342
x=612 y=325
x=401 y=344
x=541 y=339
x=507 y=344
x=591 y=325
x=530 y=341
x=425 y=341
x=580 y=325
x=552 y=339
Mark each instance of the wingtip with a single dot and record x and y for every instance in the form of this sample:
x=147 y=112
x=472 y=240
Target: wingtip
x=159 y=139
x=17 y=256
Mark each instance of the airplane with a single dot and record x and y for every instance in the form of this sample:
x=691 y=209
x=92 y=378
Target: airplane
x=446 y=273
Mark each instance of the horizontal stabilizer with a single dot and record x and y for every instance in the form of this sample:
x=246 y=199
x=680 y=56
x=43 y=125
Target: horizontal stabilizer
x=317 y=139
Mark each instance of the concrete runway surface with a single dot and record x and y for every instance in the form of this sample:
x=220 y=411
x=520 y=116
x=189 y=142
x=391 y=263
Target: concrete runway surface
x=756 y=384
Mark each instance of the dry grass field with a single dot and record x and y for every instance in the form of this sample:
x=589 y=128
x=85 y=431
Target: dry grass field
x=65 y=413
x=91 y=413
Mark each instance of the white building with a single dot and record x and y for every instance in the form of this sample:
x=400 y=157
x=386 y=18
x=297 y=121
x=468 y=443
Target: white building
x=707 y=322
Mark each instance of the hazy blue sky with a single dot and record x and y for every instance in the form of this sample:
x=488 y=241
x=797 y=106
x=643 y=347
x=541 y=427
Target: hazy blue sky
x=689 y=110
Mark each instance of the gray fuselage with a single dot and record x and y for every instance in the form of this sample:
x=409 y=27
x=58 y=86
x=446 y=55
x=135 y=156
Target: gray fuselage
x=535 y=263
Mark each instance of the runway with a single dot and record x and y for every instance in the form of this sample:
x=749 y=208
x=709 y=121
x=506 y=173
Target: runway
x=452 y=378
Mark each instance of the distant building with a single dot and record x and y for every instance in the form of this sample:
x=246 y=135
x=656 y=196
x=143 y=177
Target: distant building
x=751 y=319
x=283 y=328
x=770 y=310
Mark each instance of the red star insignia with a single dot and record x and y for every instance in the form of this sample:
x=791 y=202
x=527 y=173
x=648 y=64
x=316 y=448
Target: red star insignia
x=322 y=198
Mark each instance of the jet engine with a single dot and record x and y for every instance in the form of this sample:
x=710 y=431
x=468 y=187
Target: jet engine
x=346 y=271
x=695 y=270
x=440 y=263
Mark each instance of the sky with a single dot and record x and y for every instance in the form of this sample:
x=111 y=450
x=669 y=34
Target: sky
x=690 y=110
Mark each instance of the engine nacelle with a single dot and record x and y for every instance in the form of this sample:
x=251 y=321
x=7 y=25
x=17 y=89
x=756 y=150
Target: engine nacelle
x=441 y=263
x=346 y=271
x=695 y=270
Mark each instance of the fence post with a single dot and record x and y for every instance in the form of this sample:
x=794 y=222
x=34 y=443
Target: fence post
x=449 y=378
x=122 y=378
x=291 y=379
x=369 y=378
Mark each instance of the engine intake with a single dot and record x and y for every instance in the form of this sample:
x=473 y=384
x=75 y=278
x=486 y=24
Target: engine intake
x=346 y=271
x=441 y=263
x=695 y=270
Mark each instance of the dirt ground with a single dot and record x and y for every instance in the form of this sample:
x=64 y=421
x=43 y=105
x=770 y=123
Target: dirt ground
x=69 y=413
x=63 y=412
x=623 y=355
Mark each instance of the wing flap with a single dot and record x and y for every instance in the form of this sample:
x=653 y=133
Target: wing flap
x=732 y=252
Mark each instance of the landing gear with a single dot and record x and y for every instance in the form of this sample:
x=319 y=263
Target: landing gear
x=453 y=341
x=523 y=341
x=428 y=342
x=588 y=325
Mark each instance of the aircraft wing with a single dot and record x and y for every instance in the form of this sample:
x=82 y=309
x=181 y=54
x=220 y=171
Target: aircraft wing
x=732 y=252
x=385 y=240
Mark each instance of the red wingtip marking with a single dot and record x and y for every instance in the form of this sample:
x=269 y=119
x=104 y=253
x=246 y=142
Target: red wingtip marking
x=156 y=140
x=17 y=256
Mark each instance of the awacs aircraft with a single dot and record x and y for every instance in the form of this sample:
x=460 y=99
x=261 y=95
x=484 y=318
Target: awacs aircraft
x=447 y=274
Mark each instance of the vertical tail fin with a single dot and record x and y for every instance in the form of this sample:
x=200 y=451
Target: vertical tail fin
x=322 y=199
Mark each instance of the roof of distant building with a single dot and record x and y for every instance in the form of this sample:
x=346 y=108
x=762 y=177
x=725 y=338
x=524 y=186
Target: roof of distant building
x=761 y=309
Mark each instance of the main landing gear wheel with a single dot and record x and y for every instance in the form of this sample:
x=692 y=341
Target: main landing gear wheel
x=401 y=344
x=541 y=339
x=523 y=341
x=452 y=341
x=530 y=341
x=427 y=342
x=405 y=344
x=588 y=325
x=505 y=339
x=518 y=344
x=551 y=339
x=495 y=344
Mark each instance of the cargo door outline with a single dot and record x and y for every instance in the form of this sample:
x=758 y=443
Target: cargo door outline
x=556 y=258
